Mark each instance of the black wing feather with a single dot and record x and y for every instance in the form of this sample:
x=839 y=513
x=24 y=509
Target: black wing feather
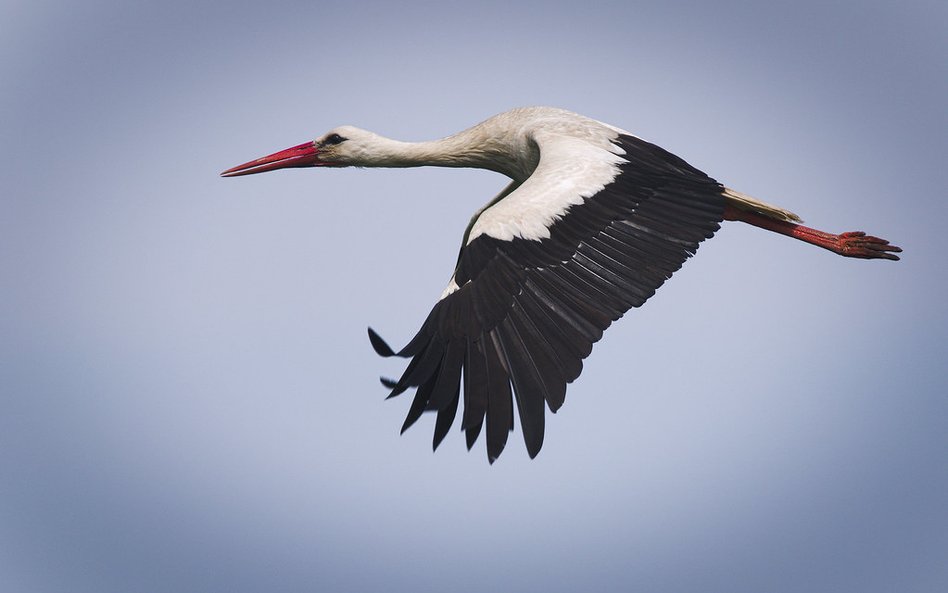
x=500 y=404
x=475 y=389
x=449 y=376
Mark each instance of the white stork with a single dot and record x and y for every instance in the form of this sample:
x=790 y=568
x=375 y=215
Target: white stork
x=592 y=223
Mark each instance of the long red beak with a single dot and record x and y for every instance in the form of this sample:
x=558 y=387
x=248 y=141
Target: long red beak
x=304 y=155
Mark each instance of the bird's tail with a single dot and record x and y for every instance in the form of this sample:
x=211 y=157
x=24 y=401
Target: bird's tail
x=741 y=201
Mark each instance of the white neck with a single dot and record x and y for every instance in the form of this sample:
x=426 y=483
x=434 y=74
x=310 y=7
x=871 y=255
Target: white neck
x=513 y=157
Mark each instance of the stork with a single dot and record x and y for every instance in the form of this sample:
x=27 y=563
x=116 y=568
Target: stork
x=593 y=221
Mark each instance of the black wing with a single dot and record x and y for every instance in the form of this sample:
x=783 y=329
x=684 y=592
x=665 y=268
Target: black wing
x=528 y=312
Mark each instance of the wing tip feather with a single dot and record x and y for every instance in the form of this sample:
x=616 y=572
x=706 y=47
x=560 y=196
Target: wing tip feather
x=379 y=345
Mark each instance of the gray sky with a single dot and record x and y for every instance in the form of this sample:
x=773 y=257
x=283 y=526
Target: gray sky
x=188 y=401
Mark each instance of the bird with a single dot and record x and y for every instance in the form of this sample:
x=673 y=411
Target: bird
x=593 y=221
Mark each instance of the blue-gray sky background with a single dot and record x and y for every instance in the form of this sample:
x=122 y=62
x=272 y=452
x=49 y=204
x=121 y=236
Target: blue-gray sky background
x=189 y=403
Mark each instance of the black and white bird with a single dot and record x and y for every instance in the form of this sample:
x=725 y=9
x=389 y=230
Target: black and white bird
x=592 y=223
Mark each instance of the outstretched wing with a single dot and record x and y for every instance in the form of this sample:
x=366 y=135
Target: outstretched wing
x=544 y=272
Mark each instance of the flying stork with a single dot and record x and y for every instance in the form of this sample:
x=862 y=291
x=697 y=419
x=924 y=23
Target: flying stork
x=592 y=223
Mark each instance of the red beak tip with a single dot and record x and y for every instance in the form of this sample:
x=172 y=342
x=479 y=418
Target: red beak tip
x=232 y=172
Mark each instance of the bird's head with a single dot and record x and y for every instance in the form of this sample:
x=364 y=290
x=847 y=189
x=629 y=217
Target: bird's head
x=340 y=147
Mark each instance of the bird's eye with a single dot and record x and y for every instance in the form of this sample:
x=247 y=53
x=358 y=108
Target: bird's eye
x=333 y=139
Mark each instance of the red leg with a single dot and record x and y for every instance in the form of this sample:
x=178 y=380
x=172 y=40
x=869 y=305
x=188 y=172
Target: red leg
x=851 y=244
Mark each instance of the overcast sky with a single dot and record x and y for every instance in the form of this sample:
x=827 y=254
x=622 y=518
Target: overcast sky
x=189 y=402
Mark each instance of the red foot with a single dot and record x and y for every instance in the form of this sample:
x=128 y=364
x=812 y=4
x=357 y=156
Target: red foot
x=859 y=244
